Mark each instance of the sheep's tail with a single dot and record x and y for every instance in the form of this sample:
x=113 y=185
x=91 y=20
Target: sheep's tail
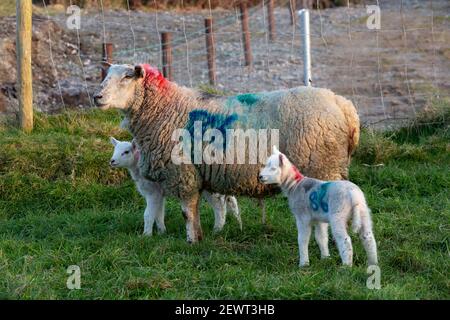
x=362 y=224
x=360 y=212
x=351 y=115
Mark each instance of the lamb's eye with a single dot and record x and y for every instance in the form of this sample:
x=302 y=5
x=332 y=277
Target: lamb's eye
x=272 y=169
x=126 y=152
x=127 y=77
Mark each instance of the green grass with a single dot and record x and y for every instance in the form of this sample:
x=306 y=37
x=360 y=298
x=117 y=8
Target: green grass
x=61 y=205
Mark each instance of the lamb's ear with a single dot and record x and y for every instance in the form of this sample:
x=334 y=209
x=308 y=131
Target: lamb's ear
x=114 y=141
x=133 y=145
x=275 y=150
x=139 y=71
x=280 y=159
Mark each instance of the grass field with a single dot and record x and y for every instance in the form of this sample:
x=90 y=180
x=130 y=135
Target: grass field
x=61 y=205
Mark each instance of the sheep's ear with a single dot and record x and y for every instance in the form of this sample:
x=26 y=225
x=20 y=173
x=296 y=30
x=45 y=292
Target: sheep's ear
x=280 y=159
x=114 y=141
x=105 y=65
x=139 y=72
x=133 y=145
x=275 y=149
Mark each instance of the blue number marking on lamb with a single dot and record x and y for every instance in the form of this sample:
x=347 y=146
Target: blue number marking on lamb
x=316 y=198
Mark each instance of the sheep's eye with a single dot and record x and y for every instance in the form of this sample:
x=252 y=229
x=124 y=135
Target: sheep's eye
x=126 y=152
x=127 y=77
x=273 y=169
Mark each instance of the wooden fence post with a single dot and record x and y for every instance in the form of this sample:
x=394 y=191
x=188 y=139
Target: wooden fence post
x=292 y=9
x=166 y=48
x=107 y=51
x=246 y=34
x=210 y=50
x=24 y=74
x=271 y=20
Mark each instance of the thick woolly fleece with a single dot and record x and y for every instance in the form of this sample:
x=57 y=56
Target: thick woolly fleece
x=318 y=131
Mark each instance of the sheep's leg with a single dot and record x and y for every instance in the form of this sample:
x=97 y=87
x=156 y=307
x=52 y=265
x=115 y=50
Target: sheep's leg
x=321 y=235
x=262 y=205
x=343 y=241
x=304 y=233
x=217 y=202
x=192 y=217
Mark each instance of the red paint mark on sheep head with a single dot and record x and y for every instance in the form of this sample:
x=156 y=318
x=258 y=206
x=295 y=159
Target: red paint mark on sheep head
x=153 y=77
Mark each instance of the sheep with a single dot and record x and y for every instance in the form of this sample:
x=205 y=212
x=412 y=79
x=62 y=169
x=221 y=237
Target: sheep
x=317 y=129
x=320 y=202
x=126 y=155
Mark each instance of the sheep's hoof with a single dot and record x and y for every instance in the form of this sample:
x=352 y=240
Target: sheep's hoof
x=147 y=233
x=325 y=257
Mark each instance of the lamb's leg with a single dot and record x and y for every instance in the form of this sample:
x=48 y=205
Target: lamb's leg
x=192 y=217
x=217 y=202
x=155 y=204
x=304 y=233
x=160 y=213
x=321 y=235
x=262 y=205
x=367 y=238
x=343 y=240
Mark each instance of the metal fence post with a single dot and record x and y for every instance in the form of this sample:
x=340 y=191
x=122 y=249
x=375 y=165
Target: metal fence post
x=304 y=23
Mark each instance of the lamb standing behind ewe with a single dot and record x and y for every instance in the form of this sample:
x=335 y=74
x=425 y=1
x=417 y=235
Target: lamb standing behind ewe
x=317 y=202
x=318 y=131
x=126 y=155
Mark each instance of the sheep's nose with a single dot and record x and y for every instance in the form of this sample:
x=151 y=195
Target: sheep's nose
x=112 y=162
x=97 y=97
x=261 y=178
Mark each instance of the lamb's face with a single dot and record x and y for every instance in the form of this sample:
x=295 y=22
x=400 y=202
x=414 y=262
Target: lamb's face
x=118 y=88
x=271 y=173
x=124 y=154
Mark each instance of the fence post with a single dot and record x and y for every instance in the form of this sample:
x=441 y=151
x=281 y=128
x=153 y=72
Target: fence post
x=293 y=10
x=24 y=74
x=210 y=50
x=246 y=34
x=166 y=48
x=304 y=23
x=107 y=51
x=271 y=20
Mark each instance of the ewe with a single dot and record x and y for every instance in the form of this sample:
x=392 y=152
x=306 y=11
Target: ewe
x=317 y=122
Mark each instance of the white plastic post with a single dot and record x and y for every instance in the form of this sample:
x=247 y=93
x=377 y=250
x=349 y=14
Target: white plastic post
x=304 y=23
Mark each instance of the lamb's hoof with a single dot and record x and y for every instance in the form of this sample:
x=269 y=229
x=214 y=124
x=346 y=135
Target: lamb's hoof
x=325 y=257
x=147 y=233
x=161 y=231
x=303 y=265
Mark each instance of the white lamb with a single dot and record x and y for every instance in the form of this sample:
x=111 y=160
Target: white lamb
x=319 y=202
x=126 y=155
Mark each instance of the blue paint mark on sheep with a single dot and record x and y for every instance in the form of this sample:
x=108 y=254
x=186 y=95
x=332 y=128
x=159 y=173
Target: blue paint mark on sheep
x=209 y=120
x=246 y=99
x=316 y=198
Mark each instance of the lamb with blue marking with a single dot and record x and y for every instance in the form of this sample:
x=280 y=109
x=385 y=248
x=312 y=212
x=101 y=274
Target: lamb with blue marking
x=126 y=155
x=317 y=202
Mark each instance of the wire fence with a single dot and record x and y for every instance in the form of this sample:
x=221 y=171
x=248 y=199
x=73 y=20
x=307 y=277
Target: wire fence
x=389 y=73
